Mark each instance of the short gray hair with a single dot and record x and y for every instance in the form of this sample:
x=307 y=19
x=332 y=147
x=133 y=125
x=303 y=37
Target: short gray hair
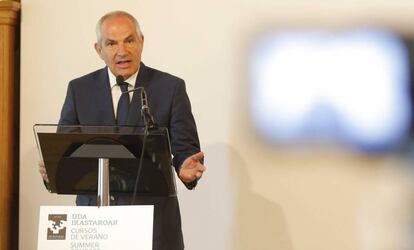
x=116 y=13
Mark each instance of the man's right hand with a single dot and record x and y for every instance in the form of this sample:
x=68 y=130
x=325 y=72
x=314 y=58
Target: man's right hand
x=42 y=171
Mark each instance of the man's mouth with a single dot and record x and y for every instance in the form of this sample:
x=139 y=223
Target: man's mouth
x=123 y=63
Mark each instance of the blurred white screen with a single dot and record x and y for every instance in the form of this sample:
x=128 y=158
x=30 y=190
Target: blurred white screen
x=351 y=87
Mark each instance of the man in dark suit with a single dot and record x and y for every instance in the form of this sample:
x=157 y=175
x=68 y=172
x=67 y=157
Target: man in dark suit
x=93 y=100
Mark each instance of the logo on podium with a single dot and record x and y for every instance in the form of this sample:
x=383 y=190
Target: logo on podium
x=56 y=228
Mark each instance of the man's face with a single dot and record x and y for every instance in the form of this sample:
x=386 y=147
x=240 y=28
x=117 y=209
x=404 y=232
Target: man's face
x=121 y=46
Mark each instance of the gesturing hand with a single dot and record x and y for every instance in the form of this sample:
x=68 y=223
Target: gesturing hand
x=192 y=169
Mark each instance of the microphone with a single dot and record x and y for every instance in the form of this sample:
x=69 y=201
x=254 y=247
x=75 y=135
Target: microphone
x=120 y=80
x=145 y=110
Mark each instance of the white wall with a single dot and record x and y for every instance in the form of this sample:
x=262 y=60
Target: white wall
x=253 y=196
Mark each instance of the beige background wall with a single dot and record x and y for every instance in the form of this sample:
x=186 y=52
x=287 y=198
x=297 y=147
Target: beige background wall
x=253 y=196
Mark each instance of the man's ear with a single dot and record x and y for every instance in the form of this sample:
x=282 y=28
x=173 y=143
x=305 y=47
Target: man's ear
x=142 y=41
x=98 y=49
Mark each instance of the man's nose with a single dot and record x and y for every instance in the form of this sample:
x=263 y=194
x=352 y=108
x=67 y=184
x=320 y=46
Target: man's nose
x=121 y=49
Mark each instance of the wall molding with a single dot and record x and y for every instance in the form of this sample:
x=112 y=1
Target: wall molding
x=9 y=86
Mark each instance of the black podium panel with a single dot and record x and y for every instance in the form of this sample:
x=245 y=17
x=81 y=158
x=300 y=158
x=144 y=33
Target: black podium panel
x=71 y=153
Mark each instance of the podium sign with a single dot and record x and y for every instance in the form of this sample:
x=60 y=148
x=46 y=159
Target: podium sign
x=95 y=228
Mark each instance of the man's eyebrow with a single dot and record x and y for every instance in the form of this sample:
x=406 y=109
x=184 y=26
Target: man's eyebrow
x=109 y=41
x=129 y=37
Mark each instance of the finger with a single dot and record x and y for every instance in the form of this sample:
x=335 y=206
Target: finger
x=44 y=177
x=198 y=156
x=41 y=163
x=198 y=175
x=201 y=167
x=42 y=170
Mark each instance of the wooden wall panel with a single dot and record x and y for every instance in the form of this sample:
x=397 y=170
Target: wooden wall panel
x=9 y=11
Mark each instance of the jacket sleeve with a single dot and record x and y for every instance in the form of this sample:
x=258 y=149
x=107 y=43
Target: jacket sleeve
x=68 y=115
x=183 y=130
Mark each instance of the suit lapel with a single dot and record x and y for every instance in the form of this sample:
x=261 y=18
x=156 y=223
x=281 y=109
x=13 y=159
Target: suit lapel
x=104 y=98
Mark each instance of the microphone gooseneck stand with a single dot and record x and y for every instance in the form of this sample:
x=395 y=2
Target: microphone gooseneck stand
x=103 y=163
x=149 y=124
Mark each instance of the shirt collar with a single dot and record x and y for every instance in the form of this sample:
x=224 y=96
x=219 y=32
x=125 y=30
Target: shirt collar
x=131 y=80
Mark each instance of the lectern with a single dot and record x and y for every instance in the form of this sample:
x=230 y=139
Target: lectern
x=103 y=159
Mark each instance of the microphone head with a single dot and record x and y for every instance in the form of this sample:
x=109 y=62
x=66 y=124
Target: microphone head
x=119 y=79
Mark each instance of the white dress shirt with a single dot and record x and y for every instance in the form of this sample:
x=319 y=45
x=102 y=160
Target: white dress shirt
x=116 y=90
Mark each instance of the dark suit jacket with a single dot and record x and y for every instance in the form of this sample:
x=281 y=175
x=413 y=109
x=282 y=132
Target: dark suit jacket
x=89 y=102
